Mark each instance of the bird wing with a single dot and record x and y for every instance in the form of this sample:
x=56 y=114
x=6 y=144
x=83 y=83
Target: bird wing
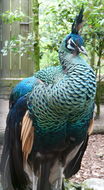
x=22 y=88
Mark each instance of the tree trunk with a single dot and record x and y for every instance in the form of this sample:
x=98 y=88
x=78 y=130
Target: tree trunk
x=98 y=91
x=35 y=9
x=98 y=95
x=92 y=60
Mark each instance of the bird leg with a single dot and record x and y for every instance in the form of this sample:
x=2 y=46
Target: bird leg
x=56 y=176
x=35 y=182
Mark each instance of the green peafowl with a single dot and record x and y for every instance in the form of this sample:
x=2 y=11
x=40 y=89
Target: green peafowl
x=50 y=120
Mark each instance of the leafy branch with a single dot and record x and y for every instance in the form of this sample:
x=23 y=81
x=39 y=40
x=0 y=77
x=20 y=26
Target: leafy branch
x=11 y=17
x=20 y=45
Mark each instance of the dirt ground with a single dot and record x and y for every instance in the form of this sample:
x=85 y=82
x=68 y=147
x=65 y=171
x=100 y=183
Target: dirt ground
x=93 y=160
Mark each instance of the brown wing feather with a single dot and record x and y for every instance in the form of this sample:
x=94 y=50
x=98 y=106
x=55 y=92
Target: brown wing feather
x=91 y=127
x=27 y=135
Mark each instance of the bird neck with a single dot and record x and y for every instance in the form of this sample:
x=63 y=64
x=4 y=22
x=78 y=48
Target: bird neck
x=67 y=59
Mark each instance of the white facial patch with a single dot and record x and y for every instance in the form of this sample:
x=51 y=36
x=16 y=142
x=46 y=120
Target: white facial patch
x=69 y=44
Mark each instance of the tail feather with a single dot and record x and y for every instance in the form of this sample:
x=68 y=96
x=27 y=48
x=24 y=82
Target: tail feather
x=18 y=176
x=5 y=158
x=43 y=183
x=12 y=158
x=44 y=166
x=74 y=165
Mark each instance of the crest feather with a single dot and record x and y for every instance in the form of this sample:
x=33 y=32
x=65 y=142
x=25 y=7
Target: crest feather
x=77 y=22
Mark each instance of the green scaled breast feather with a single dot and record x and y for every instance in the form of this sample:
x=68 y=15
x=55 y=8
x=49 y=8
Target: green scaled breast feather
x=62 y=105
x=50 y=75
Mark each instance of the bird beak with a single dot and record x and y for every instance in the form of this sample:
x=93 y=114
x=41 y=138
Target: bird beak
x=82 y=50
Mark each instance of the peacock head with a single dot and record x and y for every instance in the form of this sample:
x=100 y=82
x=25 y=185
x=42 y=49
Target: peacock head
x=74 y=42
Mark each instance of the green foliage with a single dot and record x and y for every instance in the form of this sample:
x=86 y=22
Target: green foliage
x=56 y=23
x=20 y=44
x=95 y=25
x=10 y=17
x=75 y=186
